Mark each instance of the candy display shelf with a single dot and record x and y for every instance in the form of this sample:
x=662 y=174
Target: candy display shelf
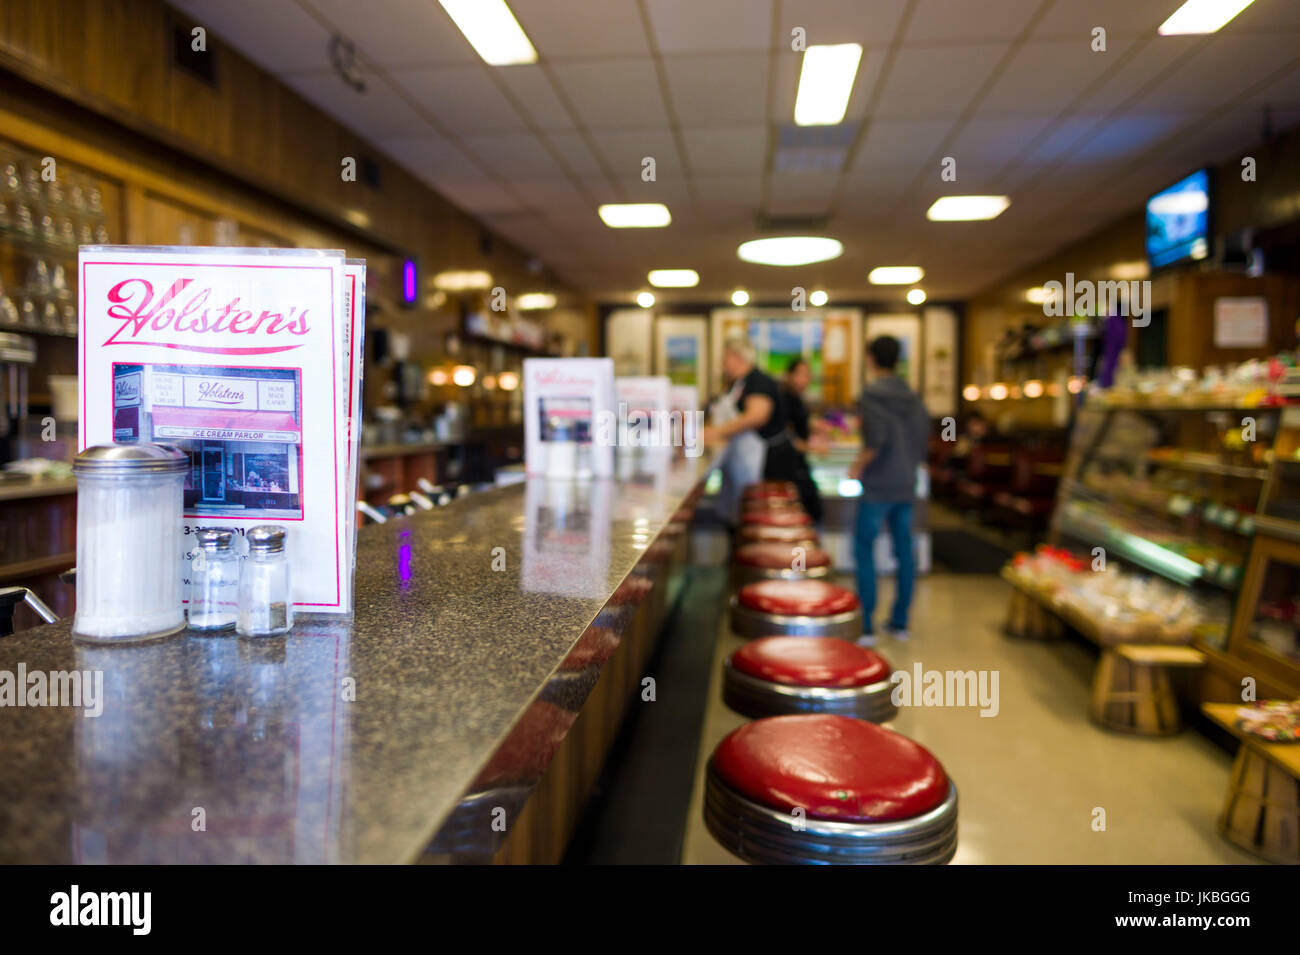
x=1197 y=491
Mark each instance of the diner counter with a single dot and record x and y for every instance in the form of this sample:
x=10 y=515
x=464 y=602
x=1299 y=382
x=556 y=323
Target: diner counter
x=350 y=741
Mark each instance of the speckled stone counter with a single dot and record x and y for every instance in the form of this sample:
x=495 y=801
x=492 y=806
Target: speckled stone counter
x=342 y=742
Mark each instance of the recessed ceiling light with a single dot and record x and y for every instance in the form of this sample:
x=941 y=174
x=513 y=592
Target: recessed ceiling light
x=915 y=296
x=531 y=301
x=674 y=278
x=1136 y=269
x=462 y=281
x=739 y=297
x=967 y=208
x=896 y=275
x=492 y=31
x=1037 y=295
x=635 y=215
x=825 y=83
x=645 y=299
x=818 y=298
x=463 y=375
x=1202 y=16
x=790 y=250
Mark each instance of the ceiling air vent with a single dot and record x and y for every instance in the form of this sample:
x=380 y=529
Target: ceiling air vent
x=792 y=225
x=813 y=150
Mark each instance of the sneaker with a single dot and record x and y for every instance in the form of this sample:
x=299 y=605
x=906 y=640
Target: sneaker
x=896 y=633
x=867 y=640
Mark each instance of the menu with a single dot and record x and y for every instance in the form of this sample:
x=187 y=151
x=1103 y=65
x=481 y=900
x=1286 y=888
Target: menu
x=249 y=361
x=569 y=421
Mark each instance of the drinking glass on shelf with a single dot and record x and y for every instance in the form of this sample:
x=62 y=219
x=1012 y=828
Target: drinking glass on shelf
x=27 y=310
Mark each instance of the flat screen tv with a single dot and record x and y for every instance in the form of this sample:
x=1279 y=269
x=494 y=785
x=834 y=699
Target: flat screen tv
x=1178 y=221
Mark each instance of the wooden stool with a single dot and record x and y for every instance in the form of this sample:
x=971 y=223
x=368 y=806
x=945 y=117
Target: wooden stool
x=1029 y=619
x=1261 y=813
x=1131 y=691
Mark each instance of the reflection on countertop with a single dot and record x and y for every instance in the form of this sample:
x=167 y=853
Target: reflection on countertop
x=343 y=741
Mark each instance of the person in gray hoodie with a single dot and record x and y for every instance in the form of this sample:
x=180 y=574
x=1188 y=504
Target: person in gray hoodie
x=895 y=431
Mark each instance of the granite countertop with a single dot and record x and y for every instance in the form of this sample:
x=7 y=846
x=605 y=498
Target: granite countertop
x=341 y=742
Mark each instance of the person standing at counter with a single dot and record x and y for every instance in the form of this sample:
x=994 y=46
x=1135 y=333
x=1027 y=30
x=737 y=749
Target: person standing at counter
x=748 y=419
x=895 y=429
x=786 y=460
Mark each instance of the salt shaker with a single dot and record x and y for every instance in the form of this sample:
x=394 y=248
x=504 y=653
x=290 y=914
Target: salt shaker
x=129 y=542
x=265 y=599
x=214 y=580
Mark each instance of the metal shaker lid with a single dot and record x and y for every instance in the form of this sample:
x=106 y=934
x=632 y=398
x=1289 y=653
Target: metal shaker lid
x=265 y=539
x=131 y=459
x=215 y=538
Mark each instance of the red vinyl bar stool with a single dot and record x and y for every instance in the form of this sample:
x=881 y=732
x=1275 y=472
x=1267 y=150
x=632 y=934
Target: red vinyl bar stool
x=771 y=517
x=773 y=560
x=797 y=534
x=796 y=608
x=773 y=676
x=830 y=790
x=771 y=490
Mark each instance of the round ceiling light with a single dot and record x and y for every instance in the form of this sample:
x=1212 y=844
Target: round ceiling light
x=740 y=297
x=645 y=299
x=915 y=296
x=790 y=250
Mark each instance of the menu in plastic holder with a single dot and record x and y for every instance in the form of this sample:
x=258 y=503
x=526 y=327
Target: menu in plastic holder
x=569 y=417
x=245 y=359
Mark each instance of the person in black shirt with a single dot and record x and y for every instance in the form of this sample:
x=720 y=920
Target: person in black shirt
x=786 y=460
x=748 y=419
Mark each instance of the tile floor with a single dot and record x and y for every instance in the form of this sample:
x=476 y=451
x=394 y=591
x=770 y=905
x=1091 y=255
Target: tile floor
x=1030 y=777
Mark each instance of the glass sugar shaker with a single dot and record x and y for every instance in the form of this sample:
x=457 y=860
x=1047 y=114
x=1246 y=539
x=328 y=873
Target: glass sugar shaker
x=214 y=580
x=265 y=600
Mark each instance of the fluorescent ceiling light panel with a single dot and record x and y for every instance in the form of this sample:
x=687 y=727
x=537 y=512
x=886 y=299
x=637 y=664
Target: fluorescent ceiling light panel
x=492 y=31
x=635 y=215
x=1202 y=16
x=674 y=278
x=967 y=208
x=530 y=301
x=825 y=83
x=790 y=250
x=896 y=275
x=462 y=281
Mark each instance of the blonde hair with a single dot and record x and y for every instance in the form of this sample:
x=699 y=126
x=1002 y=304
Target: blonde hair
x=740 y=346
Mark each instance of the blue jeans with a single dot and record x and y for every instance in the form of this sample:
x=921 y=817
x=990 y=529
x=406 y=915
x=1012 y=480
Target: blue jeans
x=871 y=515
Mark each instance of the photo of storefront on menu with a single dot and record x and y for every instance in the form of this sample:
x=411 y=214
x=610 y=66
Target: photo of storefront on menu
x=242 y=428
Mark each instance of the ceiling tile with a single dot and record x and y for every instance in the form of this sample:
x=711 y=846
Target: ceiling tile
x=1266 y=15
x=463 y=99
x=942 y=21
x=1154 y=55
x=477 y=196
x=278 y=35
x=1073 y=19
x=869 y=22
x=378 y=113
x=723 y=90
x=717 y=26
x=936 y=81
x=613 y=94
x=995 y=140
x=431 y=155
x=514 y=156
x=563 y=29
x=786 y=189
x=900 y=142
x=393 y=33
x=1046 y=76
x=747 y=190
x=1224 y=68
x=532 y=90
x=737 y=149
x=1283 y=91
x=576 y=154
x=624 y=152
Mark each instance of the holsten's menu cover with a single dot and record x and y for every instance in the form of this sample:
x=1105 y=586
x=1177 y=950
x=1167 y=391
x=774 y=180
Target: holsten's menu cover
x=239 y=357
x=569 y=417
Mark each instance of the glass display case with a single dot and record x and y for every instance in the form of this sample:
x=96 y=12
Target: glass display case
x=1266 y=628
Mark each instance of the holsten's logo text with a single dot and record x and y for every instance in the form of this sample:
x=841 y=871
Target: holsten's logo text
x=103 y=908
x=169 y=319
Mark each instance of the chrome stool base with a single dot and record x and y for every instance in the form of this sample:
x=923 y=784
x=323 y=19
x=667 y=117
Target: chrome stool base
x=754 y=623
x=742 y=574
x=756 y=698
x=766 y=836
